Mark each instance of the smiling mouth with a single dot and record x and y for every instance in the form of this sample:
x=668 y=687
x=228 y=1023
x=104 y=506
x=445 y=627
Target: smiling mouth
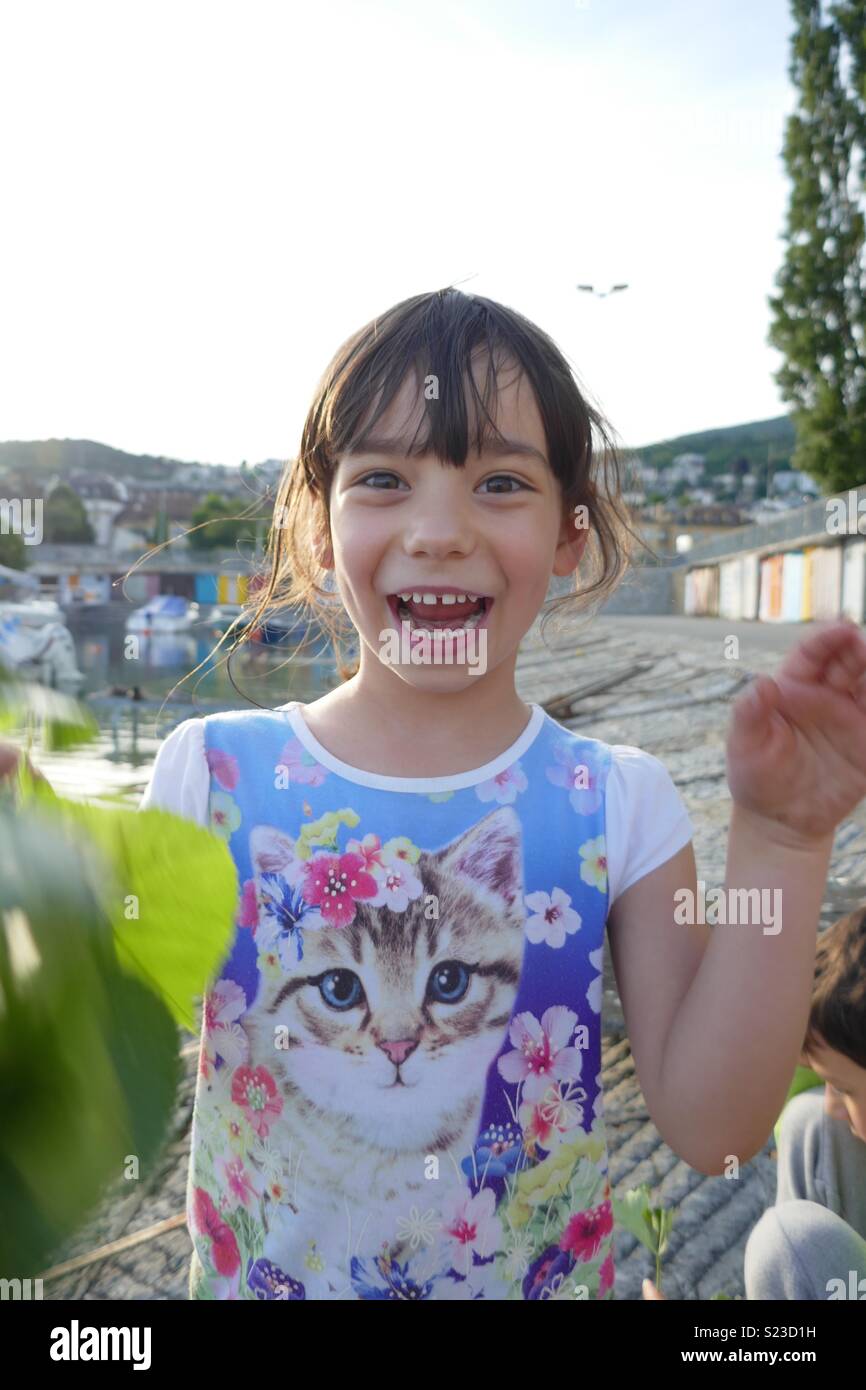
x=446 y=612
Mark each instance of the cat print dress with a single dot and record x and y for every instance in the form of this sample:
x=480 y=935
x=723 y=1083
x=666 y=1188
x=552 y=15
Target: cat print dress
x=399 y=1089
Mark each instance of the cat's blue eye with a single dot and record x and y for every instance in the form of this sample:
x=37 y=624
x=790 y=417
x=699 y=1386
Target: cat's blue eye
x=341 y=989
x=449 y=982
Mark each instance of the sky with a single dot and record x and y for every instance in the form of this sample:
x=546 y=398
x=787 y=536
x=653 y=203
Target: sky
x=202 y=200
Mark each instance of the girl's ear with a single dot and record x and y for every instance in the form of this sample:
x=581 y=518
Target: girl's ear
x=322 y=551
x=573 y=539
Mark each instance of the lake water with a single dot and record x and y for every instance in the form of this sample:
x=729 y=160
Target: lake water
x=117 y=764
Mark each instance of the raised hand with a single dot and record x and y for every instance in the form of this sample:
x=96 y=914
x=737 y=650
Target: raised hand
x=796 y=750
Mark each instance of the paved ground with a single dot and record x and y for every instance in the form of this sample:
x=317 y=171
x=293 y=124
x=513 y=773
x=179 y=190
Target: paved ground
x=663 y=684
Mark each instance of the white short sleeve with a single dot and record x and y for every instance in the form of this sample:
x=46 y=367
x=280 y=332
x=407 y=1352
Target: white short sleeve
x=180 y=778
x=646 y=821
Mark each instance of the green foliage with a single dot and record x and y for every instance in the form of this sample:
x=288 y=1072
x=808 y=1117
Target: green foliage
x=171 y=900
x=60 y=720
x=112 y=924
x=723 y=448
x=819 y=314
x=219 y=527
x=65 y=518
x=13 y=551
x=651 y=1225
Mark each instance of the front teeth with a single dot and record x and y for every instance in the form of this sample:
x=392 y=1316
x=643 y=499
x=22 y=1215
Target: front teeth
x=442 y=598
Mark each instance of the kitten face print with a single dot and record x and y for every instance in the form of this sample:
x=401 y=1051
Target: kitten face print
x=383 y=1029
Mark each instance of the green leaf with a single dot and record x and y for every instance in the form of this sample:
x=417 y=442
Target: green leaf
x=63 y=720
x=651 y=1225
x=88 y=1057
x=180 y=880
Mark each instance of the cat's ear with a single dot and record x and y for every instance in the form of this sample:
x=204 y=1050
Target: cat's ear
x=490 y=854
x=270 y=850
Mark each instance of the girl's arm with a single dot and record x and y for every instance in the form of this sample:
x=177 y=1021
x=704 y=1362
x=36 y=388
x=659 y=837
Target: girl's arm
x=716 y=1015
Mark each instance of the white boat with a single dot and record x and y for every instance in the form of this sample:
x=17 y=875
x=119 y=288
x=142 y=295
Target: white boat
x=163 y=613
x=35 y=642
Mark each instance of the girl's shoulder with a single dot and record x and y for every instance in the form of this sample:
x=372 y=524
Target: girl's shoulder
x=646 y=820
x=180 y=777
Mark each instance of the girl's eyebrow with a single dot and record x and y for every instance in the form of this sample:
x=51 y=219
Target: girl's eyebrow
x=393 y=448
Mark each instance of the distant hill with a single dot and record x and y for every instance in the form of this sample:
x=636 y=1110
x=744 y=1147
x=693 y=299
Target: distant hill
x=723 y=447
x=49 y=456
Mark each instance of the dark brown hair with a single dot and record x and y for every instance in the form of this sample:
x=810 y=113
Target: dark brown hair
x=436 y=335
x=838 y=1013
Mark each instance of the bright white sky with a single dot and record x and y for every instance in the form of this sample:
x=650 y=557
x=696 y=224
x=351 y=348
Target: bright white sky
x=203 y=199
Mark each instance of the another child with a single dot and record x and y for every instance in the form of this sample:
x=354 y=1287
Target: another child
x=812 y=1243
x=399 y=1093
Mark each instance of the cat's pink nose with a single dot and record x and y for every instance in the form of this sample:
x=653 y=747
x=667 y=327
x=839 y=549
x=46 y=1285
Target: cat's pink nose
x=400 y=1050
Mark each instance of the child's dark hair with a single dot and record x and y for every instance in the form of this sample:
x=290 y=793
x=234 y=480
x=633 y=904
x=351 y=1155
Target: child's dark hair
x=435 y=336
x=838 y=1014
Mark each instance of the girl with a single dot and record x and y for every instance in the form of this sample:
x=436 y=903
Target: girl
x=399 y=1093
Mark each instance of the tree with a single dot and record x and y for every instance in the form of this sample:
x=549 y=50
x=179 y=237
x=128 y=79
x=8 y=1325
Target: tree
x=818 y=318
x=65 y=518
x=13 y=551
x=222 y=530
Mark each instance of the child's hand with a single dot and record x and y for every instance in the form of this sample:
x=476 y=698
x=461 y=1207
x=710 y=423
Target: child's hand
x=650 y=1291
x=10 y=756
x=797 y=743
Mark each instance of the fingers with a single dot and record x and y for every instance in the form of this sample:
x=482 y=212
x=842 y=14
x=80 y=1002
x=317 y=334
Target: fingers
x=650 y=1291
x=755 y=712
x=835 y=652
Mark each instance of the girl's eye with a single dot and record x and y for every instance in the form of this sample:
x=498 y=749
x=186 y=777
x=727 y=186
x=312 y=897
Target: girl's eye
x=505 y=478
x=380 y=474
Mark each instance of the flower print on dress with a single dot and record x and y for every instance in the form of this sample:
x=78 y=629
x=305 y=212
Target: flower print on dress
x=418 y=1228
x=333 y=883
x=240 y=1186
x=470 y=1226
x=222 y=1035
x=398 y=884
x=547 y=1122
x=225 y=814
x=285 y=916
x=553 y=917
x=593 y=870
x=548 y=1275
x=300 y=765
x=606 y=1276
x=224 y=767
x=496 y=1153
x=384 y=1278
x=222 y=1247
x=541 y=1052
x=593 y=993
x=504 y=787
x=598 y=1104
x=267 y=1280
x=248 y=907
x=255 y=1092
x=586 y=1230
x=578 y=770
x=289 y=1230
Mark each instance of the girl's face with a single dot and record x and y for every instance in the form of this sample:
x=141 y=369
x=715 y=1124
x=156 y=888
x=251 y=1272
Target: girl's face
x=494 y=528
